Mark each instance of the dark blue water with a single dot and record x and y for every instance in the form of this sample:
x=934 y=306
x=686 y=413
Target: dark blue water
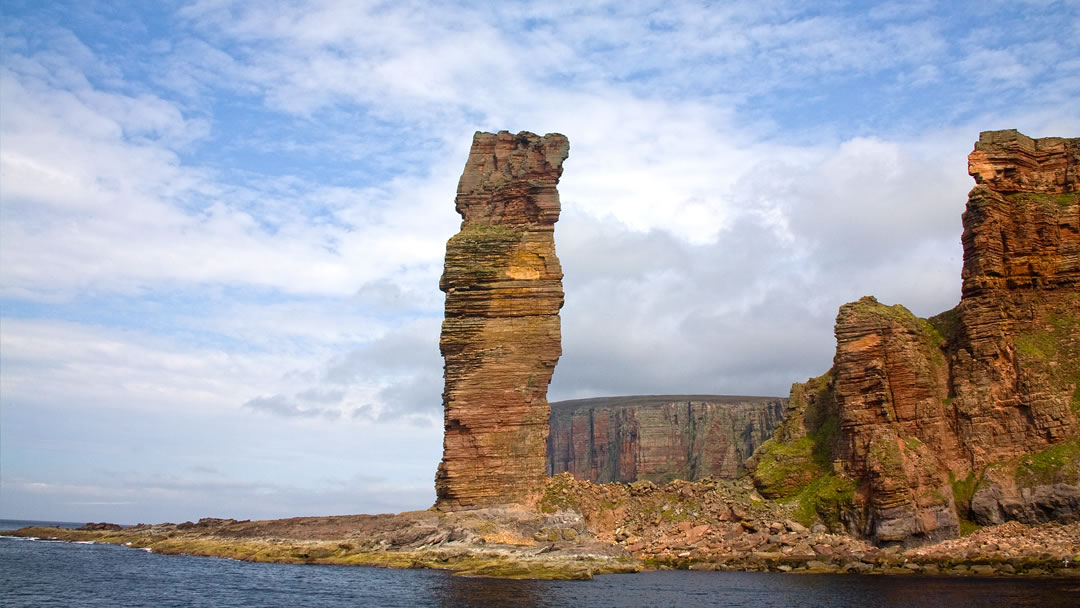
x=42 y=573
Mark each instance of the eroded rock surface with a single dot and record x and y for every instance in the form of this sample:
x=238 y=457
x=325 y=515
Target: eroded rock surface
x=658 y=438
x=972 y=414
x=891 y=389
x=501 y=334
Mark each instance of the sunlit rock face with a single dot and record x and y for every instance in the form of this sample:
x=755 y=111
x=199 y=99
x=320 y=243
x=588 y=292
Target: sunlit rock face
x=501 y=333
x=973 y=413
x=1014 y=342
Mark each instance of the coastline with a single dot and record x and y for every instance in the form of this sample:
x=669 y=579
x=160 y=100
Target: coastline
x=576 y=530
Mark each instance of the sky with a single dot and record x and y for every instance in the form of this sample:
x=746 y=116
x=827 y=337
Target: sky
x=222 y=223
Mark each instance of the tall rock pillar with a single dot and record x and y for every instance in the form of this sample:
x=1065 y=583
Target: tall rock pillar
x=501 y=334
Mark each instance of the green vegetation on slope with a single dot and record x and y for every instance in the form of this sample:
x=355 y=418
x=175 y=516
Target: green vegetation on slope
x=1055 y=351
x=963 y=490
x=946 y=324
x=1051 y=201
x=783 y=469
x=825 y=497
x=1056 y=464
x=797 y=464
x=801 y=449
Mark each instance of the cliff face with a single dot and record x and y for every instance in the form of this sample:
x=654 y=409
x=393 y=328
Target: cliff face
x=972 y=414
x=891 y=394
x=658 y=438
x=501 y=334
x=1014 y=340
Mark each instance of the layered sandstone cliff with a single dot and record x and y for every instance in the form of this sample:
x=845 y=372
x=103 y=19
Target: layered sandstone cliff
x=972 y=414
x=658 y=438
x=501 y=334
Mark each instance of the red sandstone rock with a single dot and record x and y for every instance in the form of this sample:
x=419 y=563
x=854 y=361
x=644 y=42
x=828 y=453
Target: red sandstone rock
x=1009 y=161
x=501 y=334
x=966 y=395
x=658 y=438
x=890 y=385
x=1014 y=349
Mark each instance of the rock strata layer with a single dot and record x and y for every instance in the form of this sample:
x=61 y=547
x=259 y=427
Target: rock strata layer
x=658 y=438
x=501 y=334
x=971 y=415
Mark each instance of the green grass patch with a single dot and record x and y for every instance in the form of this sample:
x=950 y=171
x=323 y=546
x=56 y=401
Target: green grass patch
x=1052 y=201
x=869 y=305
x=802 y=450
x=1055 y=351
x=1040 y=346
x=823 y=439
x=968 y=527
x=784 y=468
x=1047 y=345
x=963 y=490
x=825 y=498
x=1057 y=464
x=934 y=331
x=946 y=324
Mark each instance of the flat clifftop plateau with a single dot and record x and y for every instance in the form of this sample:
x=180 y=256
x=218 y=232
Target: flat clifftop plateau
x=647 y=400
x=501 y=335
x=926 y=427
x=658 y=437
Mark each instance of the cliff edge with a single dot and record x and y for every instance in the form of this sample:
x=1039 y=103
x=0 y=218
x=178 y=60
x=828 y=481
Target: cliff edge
x=924 y=427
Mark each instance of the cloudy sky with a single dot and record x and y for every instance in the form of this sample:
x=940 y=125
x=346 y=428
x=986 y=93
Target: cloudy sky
x=223 y=222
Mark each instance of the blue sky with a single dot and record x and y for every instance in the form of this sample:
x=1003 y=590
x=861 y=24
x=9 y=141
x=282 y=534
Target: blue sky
x=223 y=222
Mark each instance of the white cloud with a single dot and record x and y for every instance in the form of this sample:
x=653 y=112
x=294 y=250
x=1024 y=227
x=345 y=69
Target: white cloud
x=88 y=367
x=119 y=210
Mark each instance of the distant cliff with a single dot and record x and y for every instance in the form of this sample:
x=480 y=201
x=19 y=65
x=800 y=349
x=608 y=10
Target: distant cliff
x=925 y=426
x=658 y=438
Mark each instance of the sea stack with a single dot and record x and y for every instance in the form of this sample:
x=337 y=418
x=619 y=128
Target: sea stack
x=501 y=333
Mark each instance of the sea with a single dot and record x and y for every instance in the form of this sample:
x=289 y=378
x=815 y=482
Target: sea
x=50 y=573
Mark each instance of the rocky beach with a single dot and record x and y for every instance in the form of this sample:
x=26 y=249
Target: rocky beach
x=576 y=530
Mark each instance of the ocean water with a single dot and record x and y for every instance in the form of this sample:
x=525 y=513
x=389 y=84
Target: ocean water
x=46 y=573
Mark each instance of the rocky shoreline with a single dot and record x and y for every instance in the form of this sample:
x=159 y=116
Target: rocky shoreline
x=576 y=530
